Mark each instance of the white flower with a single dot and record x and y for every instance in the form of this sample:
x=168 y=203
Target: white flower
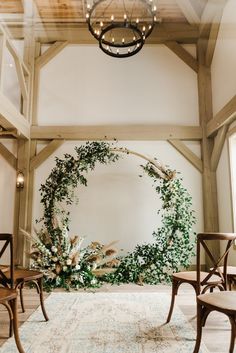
x=53 y=249
x=77 y=267
x=93 y=281
x=69 y=262
x=153 y=267
x=65 y=268
x=54 y=259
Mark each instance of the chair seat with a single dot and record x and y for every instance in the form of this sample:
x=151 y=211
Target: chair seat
x=7 y=294
x=25 y=275
x=221 y=301
x=191 y=276
x=231 y=270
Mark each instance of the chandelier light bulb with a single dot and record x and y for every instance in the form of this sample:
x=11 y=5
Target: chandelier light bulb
x=98 y=33
x=101 y=24
x=144 y=28
x=117 y=52
x=154 y=8
x=113 y=40
x=88 y=6
x=87 y=15
x=155 y=18
x=112 y=17
x=137 y=20
x=125 y=17
x=134 y=38
x=123 y=40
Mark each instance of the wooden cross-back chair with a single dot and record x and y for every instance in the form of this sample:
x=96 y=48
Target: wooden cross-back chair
x=8 y=295
x=20 y=278
x=202 y=281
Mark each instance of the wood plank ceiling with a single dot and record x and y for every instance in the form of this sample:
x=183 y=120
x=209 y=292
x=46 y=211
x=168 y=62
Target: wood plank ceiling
x=64 y=10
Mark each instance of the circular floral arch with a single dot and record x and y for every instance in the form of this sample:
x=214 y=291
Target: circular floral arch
x=62 y=258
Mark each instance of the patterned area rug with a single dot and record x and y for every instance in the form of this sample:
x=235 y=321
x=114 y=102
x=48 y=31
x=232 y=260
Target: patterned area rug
x=106 y=323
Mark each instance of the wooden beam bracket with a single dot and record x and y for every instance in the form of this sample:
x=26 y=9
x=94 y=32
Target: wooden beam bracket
x=8 y=156
x=183 y=54
x=224 y=117
x=37 y=160
x=188 y=154
x=218 y=146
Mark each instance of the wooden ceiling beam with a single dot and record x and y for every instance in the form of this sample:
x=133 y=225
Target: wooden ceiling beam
x=191 y=10
x=119 y=132
x=78 y=33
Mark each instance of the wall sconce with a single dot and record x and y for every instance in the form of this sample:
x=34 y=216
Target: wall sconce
x=20 y=180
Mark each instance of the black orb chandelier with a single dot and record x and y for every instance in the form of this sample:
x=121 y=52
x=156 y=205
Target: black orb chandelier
x=121 y=26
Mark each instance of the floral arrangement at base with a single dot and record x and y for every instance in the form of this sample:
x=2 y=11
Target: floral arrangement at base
x=61 y=256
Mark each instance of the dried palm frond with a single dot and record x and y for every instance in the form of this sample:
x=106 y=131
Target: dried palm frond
x=34 y=255
x=111 y=252
x=30 y=236
x=113 y=263
x=105 y=261
x=94 y=258
x=103 y=271
x=94 y=245
x=108 y=246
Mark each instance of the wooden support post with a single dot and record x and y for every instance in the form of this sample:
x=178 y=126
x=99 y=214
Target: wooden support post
x=21 y=201
x=210 y=203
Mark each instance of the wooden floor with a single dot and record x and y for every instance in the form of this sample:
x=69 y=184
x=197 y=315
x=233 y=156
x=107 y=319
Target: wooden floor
x=216 y=334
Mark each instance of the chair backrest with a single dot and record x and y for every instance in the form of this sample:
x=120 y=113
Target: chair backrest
x=6 y=241
x=203 y=242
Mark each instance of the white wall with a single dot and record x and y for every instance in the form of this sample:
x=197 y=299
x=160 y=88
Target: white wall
x=82 y=86
x=224 y=88
x=223 y=65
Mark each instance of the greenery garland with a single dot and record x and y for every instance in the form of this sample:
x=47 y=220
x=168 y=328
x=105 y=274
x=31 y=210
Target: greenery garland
x=62 y=258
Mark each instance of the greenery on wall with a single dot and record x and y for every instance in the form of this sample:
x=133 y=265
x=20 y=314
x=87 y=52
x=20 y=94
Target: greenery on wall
x=67 y=264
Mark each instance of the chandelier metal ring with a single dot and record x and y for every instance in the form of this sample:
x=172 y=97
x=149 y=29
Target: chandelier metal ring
x=123 y=34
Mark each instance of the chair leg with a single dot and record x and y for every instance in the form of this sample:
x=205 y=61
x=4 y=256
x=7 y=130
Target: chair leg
x=233 y=334
x=175 y=286
x=21 y=298
x=8 y=307
x=15 y=325
x=40 y=285
x=199 y=328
